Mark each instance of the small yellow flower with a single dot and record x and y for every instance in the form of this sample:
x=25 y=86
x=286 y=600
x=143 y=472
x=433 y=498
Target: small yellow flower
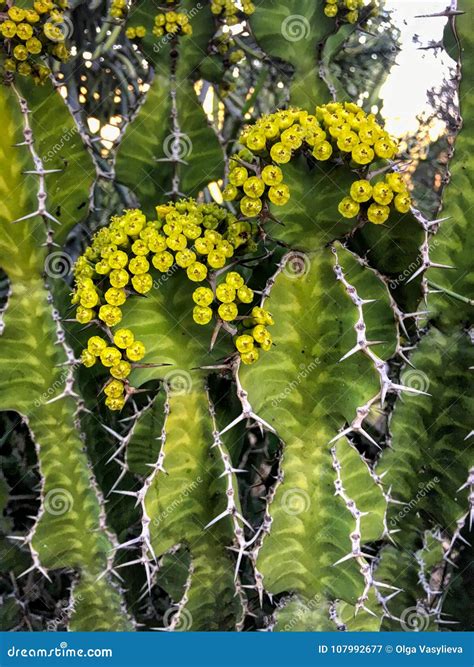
x=136 y=351
x=123 y=338
x=114 y=388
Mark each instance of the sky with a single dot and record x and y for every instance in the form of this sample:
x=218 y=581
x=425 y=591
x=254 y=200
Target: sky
x=416 y=70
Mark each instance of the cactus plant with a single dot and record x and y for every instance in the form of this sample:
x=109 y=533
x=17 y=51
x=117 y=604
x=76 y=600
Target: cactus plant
x=235 y=416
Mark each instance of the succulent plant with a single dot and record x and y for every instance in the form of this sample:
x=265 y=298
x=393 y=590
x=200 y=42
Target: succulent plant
x=233 y=414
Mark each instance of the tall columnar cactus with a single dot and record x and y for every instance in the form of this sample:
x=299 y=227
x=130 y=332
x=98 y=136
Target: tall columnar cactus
x=38 y=381
x=241 y=418
x=441 y=367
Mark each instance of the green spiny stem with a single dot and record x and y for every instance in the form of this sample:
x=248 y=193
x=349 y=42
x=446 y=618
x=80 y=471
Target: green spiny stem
x=289 y=413
x=272 y=26
x=439 y=490
x=181 y=509
x=69 y=531
x=38 y=170
x=158 y=140
x=454 y=241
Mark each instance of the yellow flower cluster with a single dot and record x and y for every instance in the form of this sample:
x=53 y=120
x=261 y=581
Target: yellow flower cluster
x=340 y=129
x=347 y=10
x=376 y=198
x=336 y=130
x=121 y=260
x=249 y=185
x=227 y=296
x=171 y=22
x=26 y=34
x=255 y=336
x=201 y=239
x=229 y=10
x=118 y=9
x=115 y=355
x=136 y=32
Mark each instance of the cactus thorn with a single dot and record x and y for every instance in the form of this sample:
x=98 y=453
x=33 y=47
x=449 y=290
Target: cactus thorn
x=360 y=346
x=19 y=538
x=402 y=387
x=230 y=471
x=132 y=562
x=447 y=12
x=127 y=544
x=33 y=567
x=172 y=160
x=132 y=494
x=42 y=172
x=366 y=609
x=437 y=222
x=27 y=217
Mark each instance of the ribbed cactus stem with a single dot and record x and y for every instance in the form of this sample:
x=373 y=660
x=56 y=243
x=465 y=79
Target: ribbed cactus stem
x=38 y=170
